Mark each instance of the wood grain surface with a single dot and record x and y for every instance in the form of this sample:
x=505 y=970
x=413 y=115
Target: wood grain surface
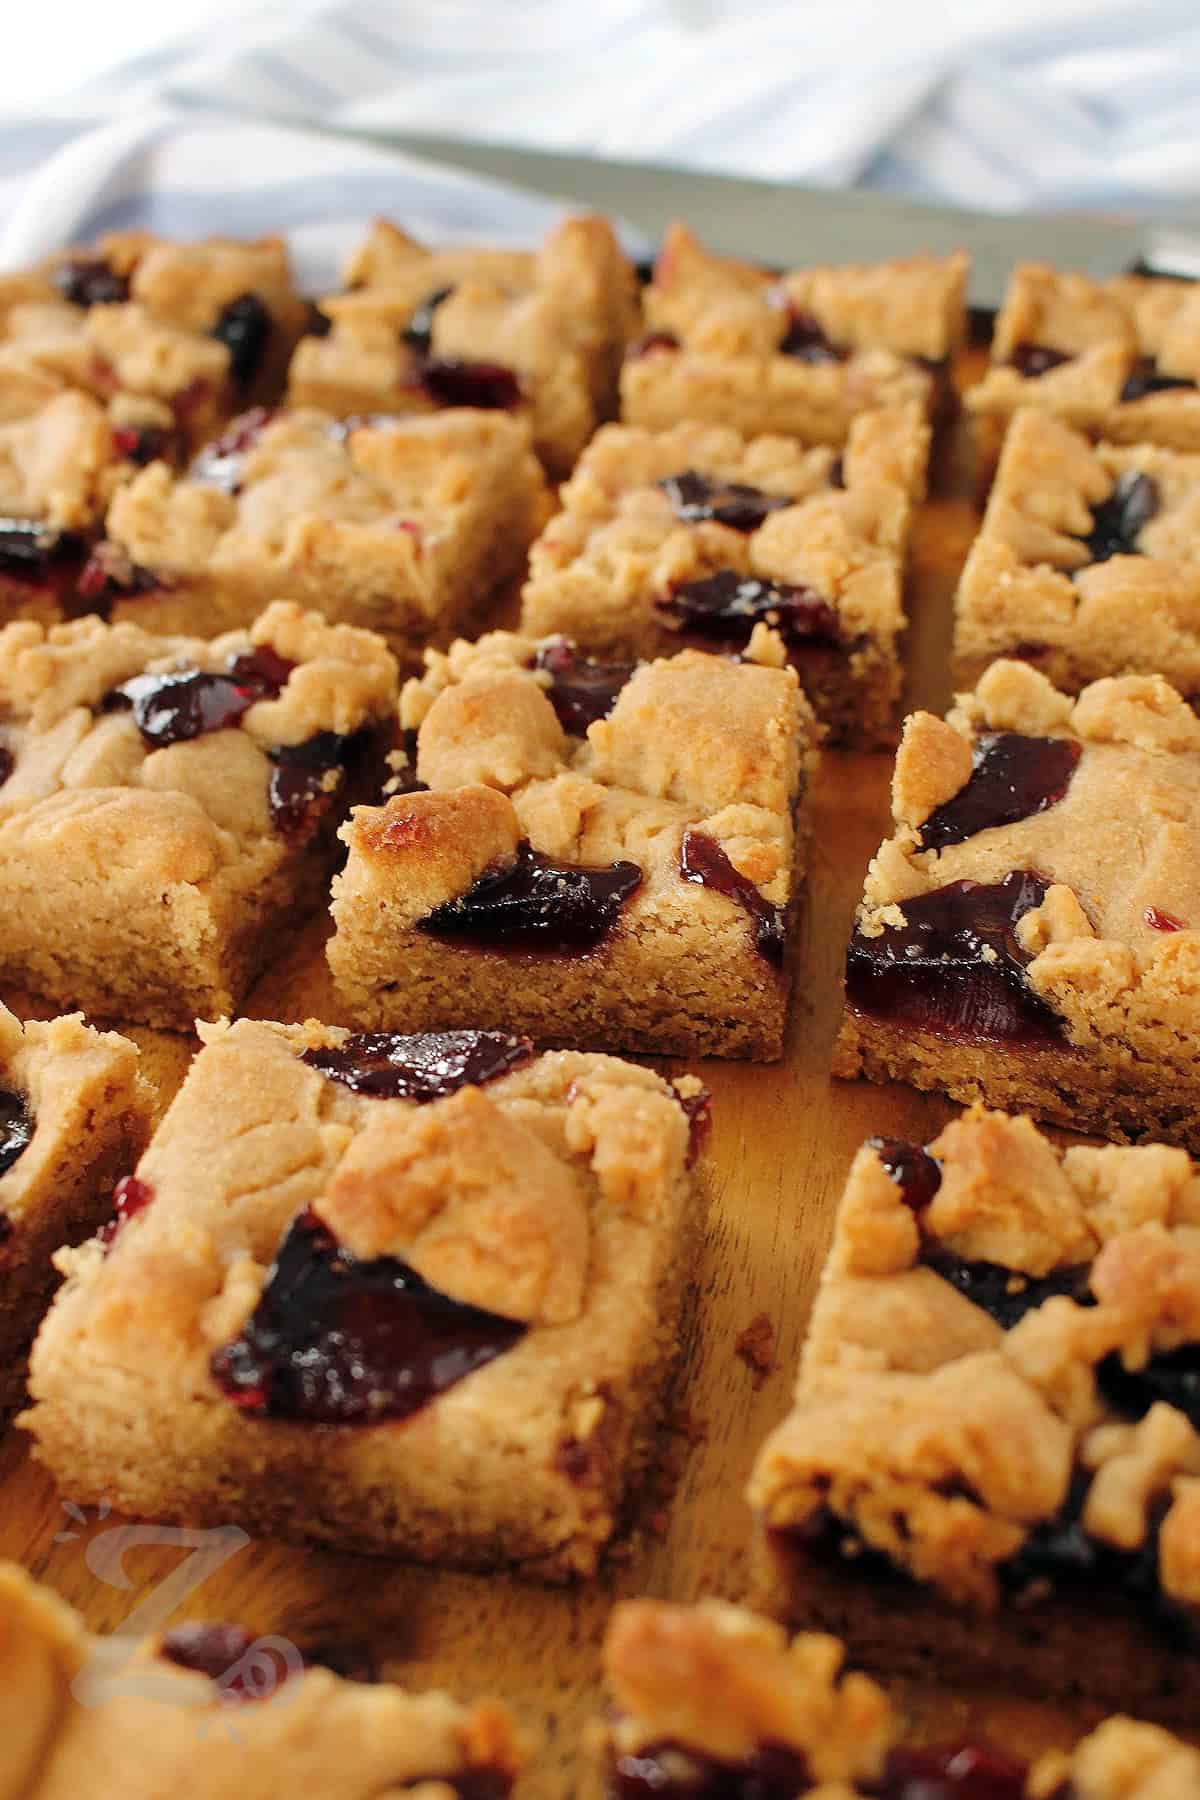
x=783 y=1137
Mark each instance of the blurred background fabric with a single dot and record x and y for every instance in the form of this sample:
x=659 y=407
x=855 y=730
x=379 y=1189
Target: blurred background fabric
x=997 y=104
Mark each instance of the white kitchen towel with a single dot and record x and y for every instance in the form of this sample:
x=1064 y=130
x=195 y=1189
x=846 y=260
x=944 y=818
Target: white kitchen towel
x=1009 y=104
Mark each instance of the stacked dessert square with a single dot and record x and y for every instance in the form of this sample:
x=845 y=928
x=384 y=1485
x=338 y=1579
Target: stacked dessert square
x=500 y=614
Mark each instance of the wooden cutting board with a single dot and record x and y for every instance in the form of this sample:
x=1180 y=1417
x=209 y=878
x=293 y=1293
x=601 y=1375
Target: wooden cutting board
x=782 y=1141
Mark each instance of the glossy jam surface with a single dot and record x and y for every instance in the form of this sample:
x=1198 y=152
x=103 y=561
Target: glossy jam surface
x=306 y=779
x=221 y=463
x=955 y=967
x=90 y=281
x=1117 y=521
x=130 y=1197
x=144 y=444
x=1032 y=360
x=109 y=574
x=1172 y=1376
x=702 y=860
x=1158 y=920
x=16 y=1128
x=1146 y=378
x=727 y=606
x=171 y=708
x=778 y=1772
x=453 y=381
x=244 y=327
x=1000 y=1292
x=538 y=904
x=805 y=340
x=418 y=333
x=212 y=1650
x=336 y=1341
x=581 y=690
x=32 y=551
x=694 y=499
x=1013 y=777
x=917 y=1174
x=425 y=1066
x=217 y=1650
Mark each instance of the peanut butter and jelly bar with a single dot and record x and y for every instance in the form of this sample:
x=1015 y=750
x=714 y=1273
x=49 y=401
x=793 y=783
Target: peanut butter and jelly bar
x=1117 y=359
x=413 y=1295
x=799 y=354
x=411 y=528
x=74 y=1116
x=168 y=804
x=210 y=1710
x=711 y=1702
x=992 y=1463
x=695 y=535
x=600 y=854
x=1088 y=561
x=1030 y=935
x=538 y=333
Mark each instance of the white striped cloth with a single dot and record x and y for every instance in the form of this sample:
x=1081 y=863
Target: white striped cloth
x=1005 y=104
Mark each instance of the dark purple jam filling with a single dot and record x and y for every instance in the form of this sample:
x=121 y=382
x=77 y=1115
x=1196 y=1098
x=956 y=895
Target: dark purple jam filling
x=917 y=1174
x=805 y=339
x=90 y=281
x=32 y=551
x=144 y=444
x=1170 y=1375
x=8 y=763
x=318 y=324
x=336 y=1341
x=451 y=381
x=702 y=860
x=16 y=1128
x=1117 y=521
x=1000 y=1292
x=418 y=333
x=698 y=1112
x=651 y=342
x=220 y=463
x=1013 y=778
x=1061 y=1554
x=300 y=792
x=1032 y=360
x=169 y=709
x=244 y=327
x=981 y=323
x=728 y=606
x=581 y=690
x=779 y=1772
x=837 y=472
x=1146 y=378
x=130 y=1197
x=109 y=574
x=538 y=904
x=482 y=1784
x=734 y=503
x=216 y=1650
x=426 y=1066
x=932 y=974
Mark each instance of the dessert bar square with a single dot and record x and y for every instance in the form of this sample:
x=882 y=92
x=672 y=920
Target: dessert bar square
x=992 y=1462
x=1118 y=359
x=800 y=353
x=60 y=463
x=696 y=535
x=1087 y=563
x=415 y=1295
x=410 y=528
x=173 y=336
x=211 y=1710
x=598 y=854
x=1029 y=936
x=168 y=804
x=540 y=333
x=74 y=1115
x=713 y=1700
